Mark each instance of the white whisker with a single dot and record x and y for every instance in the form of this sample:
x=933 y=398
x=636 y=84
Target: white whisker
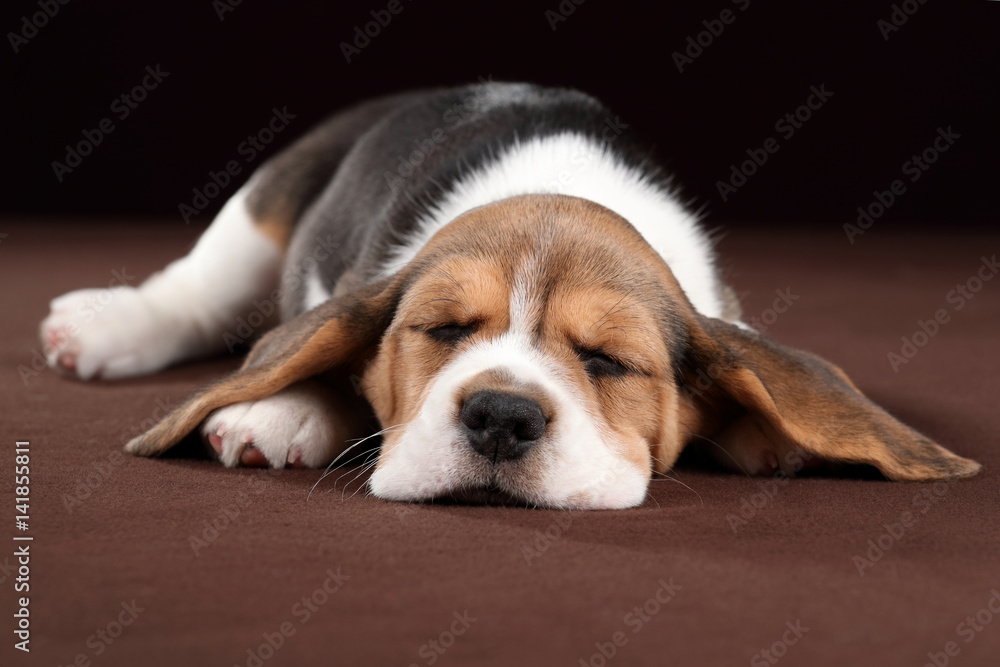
x=330 y=468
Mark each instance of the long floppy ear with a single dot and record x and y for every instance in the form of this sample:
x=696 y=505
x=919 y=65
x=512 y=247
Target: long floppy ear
x=759 y=406
x=333 y=334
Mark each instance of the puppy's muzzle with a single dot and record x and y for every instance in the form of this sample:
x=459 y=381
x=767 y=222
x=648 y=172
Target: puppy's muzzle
x=502 y=426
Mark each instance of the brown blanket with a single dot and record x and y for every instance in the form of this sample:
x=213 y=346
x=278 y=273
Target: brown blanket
x=179 y=561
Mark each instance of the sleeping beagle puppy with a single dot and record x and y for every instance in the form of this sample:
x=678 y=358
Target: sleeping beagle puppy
x=505 y=281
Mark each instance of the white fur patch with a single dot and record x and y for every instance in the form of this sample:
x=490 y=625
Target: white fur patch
x=572 y=164
x=525 y=310
x=179 y=313
x=316 y=292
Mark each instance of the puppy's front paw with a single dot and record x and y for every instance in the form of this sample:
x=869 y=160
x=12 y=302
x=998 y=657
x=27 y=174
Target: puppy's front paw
x=108 y=333
x=295 y=427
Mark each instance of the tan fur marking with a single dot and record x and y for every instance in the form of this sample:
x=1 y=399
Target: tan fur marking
x=277 y=229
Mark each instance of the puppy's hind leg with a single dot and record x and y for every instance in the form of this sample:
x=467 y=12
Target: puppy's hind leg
x=180 y=313
x=185 y=311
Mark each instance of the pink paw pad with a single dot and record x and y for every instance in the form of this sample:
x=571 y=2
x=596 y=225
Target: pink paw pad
x=295 y=458
x=253 y=457
x=67 y=360
x=215 y=439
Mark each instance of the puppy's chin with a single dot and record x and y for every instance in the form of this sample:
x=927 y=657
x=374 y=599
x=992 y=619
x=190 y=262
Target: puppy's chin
x=481 y=495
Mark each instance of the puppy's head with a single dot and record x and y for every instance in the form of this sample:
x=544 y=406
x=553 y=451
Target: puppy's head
x=539 y=350
x=533 y=354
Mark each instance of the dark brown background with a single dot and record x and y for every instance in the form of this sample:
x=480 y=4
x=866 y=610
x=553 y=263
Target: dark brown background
x=938 y=69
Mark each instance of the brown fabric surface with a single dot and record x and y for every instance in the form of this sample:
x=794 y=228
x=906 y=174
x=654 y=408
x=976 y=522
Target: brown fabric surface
x=536 y=600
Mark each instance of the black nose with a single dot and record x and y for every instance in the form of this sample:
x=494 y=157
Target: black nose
x=502 y=427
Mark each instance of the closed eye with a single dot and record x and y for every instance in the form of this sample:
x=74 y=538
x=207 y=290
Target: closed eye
x=450 y=334
x=599 y=365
